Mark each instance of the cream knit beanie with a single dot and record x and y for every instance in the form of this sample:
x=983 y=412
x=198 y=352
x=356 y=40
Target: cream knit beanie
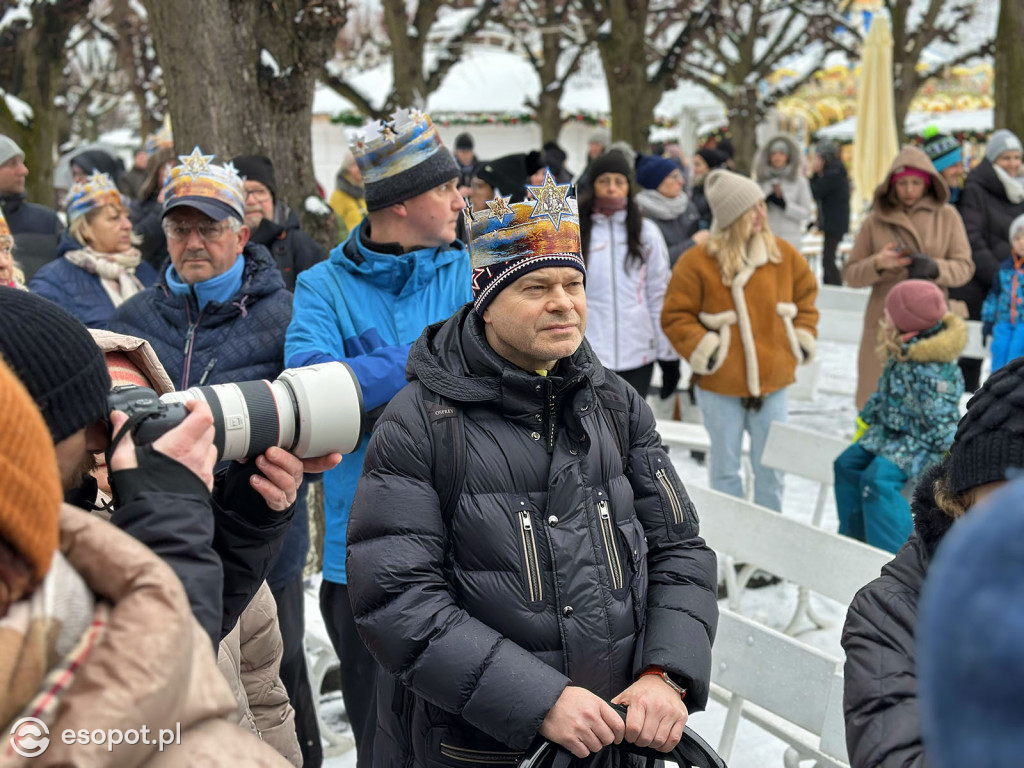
x=730 y=195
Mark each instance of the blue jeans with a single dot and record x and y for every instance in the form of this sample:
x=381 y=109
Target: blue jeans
x=868 y=499
x=726 y=420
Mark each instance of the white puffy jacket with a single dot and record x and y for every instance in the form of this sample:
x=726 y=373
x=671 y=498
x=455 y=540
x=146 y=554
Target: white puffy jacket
x=624 y=301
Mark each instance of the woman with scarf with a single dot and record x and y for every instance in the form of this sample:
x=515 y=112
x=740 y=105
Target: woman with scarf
x=627 y=273
x=97 y=267
x=663 y=201
x=789 y=200
x=993 y=196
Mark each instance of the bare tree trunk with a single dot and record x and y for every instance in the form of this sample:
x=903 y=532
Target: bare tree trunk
x=1009 y=68
x=241 y=82
x=631 y=94
x=743 y=122
x=40 y=50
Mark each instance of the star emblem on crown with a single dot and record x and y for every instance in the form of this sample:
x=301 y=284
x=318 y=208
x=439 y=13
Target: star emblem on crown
x=500 y=209
x=388 y=133
x=99 y=180
x=400 y=117
x=416 y=116
x=551 y=200
x=197 y=163
x=233 y=174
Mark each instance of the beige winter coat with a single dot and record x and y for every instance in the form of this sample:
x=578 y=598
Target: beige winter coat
x=249 y=657
x=931 y=227
x=152 y=667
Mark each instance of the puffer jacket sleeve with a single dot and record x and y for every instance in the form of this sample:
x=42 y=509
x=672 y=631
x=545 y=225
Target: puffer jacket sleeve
x=955 y=266
x=974 y=210
x=261 y=650
x=401 y=601
x=682 y=606
x=658 y=275
x=880 y=695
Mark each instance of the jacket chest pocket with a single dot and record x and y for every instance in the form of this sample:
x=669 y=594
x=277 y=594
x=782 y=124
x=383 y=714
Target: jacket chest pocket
x=634 y=540
x=609 y=537
x=533 y=578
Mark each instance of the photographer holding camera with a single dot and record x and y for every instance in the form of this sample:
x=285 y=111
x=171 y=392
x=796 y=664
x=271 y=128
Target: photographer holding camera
x=217 y=315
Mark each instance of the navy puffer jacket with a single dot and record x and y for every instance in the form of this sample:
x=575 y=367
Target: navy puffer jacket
x=559 y=563
x=237 y=340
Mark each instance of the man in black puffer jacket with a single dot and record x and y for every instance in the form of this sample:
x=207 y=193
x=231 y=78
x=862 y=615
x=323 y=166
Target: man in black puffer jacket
x=883 y=727
x=520 y=547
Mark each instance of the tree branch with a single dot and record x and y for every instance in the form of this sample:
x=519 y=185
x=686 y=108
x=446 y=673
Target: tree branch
x=344 y=89
x=447 y=58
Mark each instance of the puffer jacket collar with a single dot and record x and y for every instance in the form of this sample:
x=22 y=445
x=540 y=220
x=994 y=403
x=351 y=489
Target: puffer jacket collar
x=67 y=244
x=260 y=278
x=454 y=360
x=398 y=274
x=944 y=346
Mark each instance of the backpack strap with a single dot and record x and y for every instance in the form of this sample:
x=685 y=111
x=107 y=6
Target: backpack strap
x=616 y=409
x=448 y=452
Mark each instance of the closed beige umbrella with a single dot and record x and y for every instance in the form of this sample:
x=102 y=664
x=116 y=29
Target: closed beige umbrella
x=875 y=142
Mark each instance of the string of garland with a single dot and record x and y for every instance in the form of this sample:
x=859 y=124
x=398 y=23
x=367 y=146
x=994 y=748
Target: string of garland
x=446 y=119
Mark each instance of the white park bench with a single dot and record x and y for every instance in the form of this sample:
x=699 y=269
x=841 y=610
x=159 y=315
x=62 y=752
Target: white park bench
x=781 y=685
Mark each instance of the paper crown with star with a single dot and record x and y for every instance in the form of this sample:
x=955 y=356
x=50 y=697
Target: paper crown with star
x=215 y=190
x=5 y=230
x=162 y=139
x=401 y=158
x=508 y=241
x=96 y=191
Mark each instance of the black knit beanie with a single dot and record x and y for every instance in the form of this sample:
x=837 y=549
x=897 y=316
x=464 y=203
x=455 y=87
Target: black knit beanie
x=257 y=168
x=990 y=437
x=56 y=359
x=611 y=161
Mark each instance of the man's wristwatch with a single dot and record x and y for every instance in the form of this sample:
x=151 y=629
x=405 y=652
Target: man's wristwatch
x=667 y=678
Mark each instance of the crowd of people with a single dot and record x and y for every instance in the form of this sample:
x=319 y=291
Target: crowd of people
x=508 y=550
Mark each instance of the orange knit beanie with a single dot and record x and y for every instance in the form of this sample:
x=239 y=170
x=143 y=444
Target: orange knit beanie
x=30 y=494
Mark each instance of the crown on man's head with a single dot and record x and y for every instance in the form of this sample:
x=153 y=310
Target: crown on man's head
x=507 y=241
x=198 y=181
x=386 y=148
x=98 y=189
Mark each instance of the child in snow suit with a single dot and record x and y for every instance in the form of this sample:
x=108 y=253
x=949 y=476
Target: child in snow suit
x=908 y=423
x=1003 y=310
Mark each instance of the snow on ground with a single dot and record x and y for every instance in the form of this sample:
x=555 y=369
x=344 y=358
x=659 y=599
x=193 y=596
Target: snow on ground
x=833 y=412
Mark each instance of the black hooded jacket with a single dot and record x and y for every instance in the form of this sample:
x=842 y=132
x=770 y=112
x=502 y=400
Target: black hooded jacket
x=292 y=249
x=987 y=212
x=883 y=729
x=557 y=563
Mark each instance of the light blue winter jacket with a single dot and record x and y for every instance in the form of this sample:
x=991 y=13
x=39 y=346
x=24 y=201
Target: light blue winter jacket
x=366 y=309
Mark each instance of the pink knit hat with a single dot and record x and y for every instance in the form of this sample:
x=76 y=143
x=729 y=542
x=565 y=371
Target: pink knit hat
x=915 y=306
x=907 y=170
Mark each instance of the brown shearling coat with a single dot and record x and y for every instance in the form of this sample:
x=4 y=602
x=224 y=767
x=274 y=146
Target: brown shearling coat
x=746 y=340
x=152 y=667
x=931 y=226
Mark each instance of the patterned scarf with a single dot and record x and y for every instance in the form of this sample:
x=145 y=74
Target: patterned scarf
x=41 y=643
x=115 y=270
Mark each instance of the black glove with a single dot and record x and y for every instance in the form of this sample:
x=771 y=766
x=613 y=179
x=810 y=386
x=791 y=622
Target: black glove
x=778 y=200
x=922 y=267
x=670 y=376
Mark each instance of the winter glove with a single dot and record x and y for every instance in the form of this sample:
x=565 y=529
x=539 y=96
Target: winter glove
x=922 y=267
x=862 y=427
x=670 y=376
x=778 y=200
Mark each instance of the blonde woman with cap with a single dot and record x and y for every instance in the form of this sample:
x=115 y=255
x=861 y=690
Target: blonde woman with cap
x=98 y=266
x=741 y=309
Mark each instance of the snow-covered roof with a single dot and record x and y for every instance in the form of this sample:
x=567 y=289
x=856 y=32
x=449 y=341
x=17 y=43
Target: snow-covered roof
x=488 y=80
x=980 y=120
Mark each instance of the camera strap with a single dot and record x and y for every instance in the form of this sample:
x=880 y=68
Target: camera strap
x=133 y=421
